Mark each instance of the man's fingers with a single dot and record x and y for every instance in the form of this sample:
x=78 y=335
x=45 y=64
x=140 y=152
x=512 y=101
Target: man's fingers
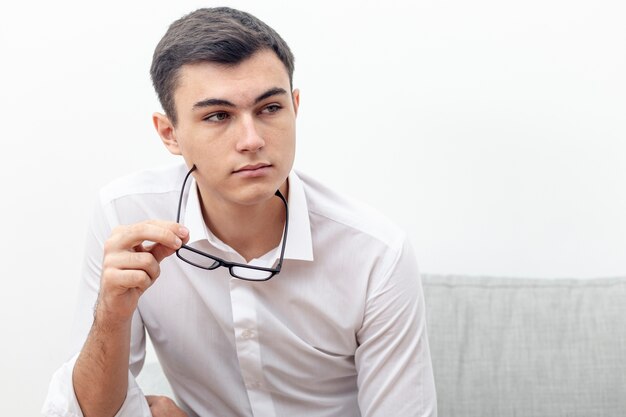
x=126 y=279
x=129 y=267
x=144 y=261
x=169 y=234
x=161 y=252
x=161 y=406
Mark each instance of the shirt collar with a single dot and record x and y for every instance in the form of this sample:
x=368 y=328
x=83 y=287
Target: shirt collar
x=299 y=243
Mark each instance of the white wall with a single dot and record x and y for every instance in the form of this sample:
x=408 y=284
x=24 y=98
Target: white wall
x=493 y=131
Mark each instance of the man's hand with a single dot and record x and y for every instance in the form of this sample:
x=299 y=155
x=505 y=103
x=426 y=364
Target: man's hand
x=130 y=267
x=164 y=407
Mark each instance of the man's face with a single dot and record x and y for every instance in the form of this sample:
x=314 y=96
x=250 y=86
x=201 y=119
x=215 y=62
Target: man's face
x=237 y=125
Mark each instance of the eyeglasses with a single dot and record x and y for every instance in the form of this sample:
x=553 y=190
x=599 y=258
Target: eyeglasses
x=204 y=260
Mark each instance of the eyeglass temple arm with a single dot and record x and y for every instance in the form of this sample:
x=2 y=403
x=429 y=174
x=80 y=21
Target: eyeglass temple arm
x=182 y=192
x=282 y=250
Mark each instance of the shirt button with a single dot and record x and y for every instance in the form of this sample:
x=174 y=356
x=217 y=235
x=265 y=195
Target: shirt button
x=247 y=334
x=254 y=385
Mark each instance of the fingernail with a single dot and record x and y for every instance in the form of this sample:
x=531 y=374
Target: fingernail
x=183 y=231
x=178 y=242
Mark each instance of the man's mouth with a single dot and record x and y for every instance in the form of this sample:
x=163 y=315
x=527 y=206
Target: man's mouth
x=253 y=169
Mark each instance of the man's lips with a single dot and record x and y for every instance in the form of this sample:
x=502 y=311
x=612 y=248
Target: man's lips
x=252 y=167
x=253 y=170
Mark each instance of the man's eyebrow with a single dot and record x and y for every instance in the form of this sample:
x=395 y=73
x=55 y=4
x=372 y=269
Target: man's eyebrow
x=212 y=102
x=269 y=93
x=221 y=102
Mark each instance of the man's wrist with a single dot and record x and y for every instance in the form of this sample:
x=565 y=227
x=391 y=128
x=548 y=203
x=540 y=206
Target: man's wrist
x=110 y=319
x=107 y=322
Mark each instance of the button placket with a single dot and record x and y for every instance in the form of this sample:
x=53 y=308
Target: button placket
x=245 y=322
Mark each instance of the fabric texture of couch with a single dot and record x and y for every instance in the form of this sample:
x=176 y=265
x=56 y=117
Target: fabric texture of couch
x=527 y=347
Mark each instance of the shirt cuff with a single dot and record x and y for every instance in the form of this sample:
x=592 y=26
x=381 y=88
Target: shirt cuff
x=61 y=400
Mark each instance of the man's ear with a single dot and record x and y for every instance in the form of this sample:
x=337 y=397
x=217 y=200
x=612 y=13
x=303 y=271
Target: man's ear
x=166 y=131
x=295 y=95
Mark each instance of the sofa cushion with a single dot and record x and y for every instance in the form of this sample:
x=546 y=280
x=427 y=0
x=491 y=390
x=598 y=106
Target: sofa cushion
x=527 y=347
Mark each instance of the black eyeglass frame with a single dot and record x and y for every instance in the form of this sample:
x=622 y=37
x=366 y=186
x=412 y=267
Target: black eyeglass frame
x=230 y=265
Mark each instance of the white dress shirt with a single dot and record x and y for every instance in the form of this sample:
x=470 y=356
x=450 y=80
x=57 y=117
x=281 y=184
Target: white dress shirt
x=340 y=332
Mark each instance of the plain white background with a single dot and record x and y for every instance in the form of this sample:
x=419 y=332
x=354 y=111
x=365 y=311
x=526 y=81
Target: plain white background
x=492 y=131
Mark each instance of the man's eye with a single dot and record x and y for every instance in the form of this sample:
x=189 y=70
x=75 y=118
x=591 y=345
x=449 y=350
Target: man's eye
x=272 y=108
x=217 y=117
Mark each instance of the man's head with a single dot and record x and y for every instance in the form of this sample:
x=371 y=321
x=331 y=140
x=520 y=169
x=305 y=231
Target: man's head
x=225 y=81
x=219 y=35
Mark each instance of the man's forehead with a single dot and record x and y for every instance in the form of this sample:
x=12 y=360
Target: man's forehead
x=242 y=82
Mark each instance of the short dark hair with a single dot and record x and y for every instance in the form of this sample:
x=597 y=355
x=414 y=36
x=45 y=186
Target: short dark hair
x=221 y=35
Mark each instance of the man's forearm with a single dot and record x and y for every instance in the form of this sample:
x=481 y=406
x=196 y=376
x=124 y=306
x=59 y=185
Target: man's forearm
x=100 y=375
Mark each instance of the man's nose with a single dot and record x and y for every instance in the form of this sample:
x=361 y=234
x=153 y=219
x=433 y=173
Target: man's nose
x=250 y=139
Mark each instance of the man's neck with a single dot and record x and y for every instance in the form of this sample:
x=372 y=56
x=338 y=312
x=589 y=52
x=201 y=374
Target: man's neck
x=250 y=230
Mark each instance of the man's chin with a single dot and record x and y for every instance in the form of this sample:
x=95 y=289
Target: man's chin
x=254 y=196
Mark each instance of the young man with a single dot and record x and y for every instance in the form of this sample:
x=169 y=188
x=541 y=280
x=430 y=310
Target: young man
x=283 y=297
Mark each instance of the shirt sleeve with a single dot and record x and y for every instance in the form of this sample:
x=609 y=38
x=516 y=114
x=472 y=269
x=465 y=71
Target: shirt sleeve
x=61 y=400
x=395 y=376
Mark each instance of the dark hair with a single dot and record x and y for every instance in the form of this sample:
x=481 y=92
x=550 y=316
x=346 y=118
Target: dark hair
x=221 y=35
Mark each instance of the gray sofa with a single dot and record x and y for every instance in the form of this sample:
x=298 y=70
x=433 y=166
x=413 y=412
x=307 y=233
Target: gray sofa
x=527 y=347
x=513 y=347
